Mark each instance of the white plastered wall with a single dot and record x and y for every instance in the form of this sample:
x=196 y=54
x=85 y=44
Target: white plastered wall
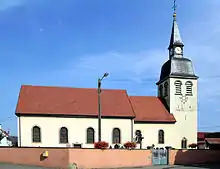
x=150 y=134
x=184 y=113
x=77 y=127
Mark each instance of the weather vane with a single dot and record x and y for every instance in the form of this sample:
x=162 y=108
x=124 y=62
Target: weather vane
x=174 y=6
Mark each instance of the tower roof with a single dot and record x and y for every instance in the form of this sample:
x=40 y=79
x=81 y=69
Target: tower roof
x=175 y=38
x=177 y=66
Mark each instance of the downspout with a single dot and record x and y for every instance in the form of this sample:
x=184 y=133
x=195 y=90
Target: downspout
x=132 y=129
x=19 y=119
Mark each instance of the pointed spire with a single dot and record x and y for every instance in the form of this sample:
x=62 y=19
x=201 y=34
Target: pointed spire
x=175 y=38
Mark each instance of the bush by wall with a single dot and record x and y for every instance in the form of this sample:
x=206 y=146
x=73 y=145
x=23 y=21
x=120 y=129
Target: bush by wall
x=193 y=145
x=130 y=144
x=101 y=145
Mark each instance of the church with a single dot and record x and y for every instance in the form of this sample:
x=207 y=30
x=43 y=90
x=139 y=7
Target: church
x=65 y=117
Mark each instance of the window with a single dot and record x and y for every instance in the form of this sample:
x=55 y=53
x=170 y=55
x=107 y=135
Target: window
x=63 y=135
x=90 y=135
x=161 y=137
x=165 y=89
x=184 y=143
x=178 y=85
x=36 y=134
x=161 y=91
x=189 y=88
x=116 y=136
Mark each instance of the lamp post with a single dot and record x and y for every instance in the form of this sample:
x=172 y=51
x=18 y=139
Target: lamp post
x=99 y=105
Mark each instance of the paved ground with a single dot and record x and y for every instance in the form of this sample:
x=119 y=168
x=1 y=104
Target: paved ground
x=182 y=167
x=12 y=166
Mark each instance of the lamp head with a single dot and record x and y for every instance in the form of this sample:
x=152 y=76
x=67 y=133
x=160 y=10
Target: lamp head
x=106 y=74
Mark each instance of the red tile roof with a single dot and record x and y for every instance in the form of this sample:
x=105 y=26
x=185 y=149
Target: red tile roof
x=213 y=140
x=84 y=102
x=73 y=101
x=150 y=109
x=201 y=135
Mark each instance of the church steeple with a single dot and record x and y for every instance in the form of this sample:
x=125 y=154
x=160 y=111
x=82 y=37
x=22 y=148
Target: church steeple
x=176 y=44
x=177 y=65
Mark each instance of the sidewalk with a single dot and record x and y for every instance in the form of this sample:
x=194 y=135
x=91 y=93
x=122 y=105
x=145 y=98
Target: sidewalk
x=14 y=166
x=176 y=167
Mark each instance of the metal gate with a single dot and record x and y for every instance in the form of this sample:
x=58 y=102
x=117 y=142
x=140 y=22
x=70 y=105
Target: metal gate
x=159 y=157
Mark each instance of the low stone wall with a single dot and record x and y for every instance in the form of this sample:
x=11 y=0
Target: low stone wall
x=109 y=158
x=84 y=158
x=58 y=157
x=96 y=158
x=187 y=157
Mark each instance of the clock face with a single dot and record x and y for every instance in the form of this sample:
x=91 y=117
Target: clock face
x=178 y=50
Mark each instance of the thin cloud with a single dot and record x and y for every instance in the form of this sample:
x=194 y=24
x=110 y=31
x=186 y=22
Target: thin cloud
x=138 y=72
x=8 y=4
x=140 y=68
x=135 y=68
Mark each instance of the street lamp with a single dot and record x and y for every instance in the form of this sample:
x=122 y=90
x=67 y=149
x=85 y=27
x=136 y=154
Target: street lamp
x=99 y=104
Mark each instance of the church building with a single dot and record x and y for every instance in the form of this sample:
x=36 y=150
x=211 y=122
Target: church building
x=64 y=116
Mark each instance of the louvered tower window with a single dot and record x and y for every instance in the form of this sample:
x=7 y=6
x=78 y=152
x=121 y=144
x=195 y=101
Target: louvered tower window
x=178 y=86
x=189 y=88
x=165 y=89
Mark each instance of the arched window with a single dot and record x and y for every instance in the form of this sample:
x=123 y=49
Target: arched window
x=63 y=135
x=184 y=143
x=189 y=85
x=161 y=91
x=161 y=137
x=116 y=136
x=165 y=89
x=90 y=135
x=178 y=85
x=36 y=134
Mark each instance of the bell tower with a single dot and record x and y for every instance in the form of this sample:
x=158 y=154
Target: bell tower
x=177 y=88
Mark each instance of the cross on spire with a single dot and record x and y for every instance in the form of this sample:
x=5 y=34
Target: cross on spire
x=174 y=6
x=175 y=39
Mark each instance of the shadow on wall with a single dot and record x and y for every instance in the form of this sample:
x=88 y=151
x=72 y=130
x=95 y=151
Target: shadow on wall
x=209 y=159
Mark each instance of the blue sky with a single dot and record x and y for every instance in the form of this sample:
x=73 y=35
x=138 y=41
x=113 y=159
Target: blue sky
x=73 y=42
